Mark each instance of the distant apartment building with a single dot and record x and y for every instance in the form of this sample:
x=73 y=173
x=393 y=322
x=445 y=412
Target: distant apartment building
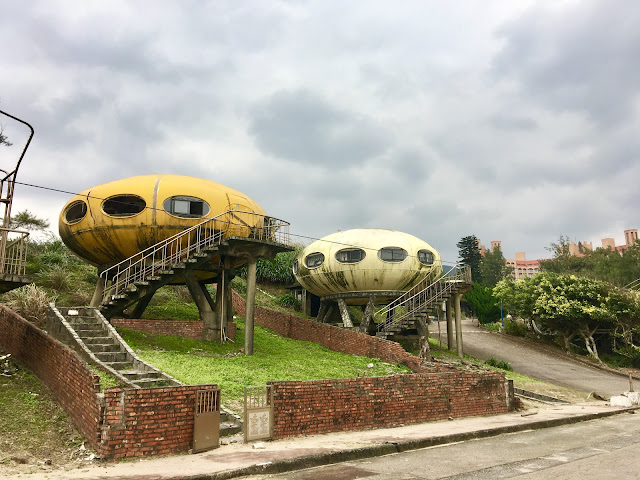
x=521 y=266
x=630 y=238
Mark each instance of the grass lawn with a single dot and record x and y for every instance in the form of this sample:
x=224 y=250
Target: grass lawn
x=32 y=426
x=275 y=358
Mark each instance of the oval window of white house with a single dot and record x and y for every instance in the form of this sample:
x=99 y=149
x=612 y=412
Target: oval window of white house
x=314 y=260
x=295 y=267
x=186 y=207
x=425 y=257
x=392 y=254
x=350 y=255
x=123 y=205
x=75 y=212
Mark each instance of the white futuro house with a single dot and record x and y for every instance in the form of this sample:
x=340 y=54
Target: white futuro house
x=355 y=265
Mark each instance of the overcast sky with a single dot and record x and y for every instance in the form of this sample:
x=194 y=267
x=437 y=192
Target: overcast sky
x=510 y=120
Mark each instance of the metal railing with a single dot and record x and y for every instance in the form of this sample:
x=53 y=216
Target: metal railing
x=13 y=255
x=424 y=295
x=176 y=250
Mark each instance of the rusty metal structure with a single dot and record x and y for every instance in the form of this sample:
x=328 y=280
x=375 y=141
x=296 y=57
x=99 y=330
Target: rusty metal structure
x=13 y=243
x=206 y=424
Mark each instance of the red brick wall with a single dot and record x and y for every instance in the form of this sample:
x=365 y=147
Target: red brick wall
x=143 y=422
x=179 y=328
x=333 y=338
x=64 y=373
x=126 y=423
x=323 y=406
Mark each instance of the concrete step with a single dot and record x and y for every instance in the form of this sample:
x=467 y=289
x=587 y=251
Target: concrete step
x=119 y=366
x=140 y=374
x=151 y=382
x=104 y=347
x=228 y=429
x=96 y=340
x=110 y=357
x=89 y=333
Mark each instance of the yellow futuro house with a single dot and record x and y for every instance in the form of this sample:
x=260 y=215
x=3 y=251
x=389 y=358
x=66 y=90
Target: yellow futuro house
x=367 y=261
x=109 y=223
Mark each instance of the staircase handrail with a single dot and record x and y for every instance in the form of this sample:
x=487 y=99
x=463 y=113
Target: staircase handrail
x=178 y=247
x=14 y=258
x=426 y=296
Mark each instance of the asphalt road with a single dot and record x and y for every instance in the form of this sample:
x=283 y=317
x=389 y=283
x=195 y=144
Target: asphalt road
x=604 y=449
x=540 y=362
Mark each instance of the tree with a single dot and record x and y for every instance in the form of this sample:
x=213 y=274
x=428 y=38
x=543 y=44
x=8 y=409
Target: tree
x=27 y=220
x=560 y=249
x=568 y=305
x=469 y=253
x=3 y=138
x=493 y=267
x=483 y=303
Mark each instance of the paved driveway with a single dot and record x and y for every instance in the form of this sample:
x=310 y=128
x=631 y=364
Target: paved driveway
x=539 y=362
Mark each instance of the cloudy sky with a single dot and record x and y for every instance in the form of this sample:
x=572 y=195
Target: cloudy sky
x=510 y=120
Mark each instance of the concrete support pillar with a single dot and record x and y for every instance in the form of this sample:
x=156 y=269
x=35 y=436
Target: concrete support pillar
x=459 y=326
x=450 y=323
x=98 y=293
x=327 y=316
x=368 y=312
x=141 y=306
x=210 y=320
x=250 y=305
x=344 y=313
x=305 y=303
x=322 y=311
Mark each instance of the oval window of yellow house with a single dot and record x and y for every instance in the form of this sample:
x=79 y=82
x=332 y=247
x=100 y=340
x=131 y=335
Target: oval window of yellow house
x=392 y=254
x=425 y=257
x=75 y=212
x=350 y=255
x=314 y=260
x=186 y=207
x=123 y=205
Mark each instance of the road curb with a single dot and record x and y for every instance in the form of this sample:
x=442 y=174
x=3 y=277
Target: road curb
x=396 y=447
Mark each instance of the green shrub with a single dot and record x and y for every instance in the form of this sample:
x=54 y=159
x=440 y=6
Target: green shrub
x=514 y=328
x=483 y=304
x=501 y=364
x=289 y=301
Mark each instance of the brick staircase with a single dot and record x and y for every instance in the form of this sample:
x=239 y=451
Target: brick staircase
x=86 y=331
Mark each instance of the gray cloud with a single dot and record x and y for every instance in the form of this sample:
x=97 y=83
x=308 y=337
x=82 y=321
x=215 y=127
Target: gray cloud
x=303 y=127
x=520 y=127
x=576 y=58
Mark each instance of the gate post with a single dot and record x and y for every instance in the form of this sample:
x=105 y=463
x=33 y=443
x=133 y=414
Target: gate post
x=258 y=413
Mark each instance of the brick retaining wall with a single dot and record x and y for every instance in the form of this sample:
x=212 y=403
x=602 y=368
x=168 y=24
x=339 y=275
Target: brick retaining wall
x=151 y=421
x=333 y=338
x=118 y=423
x=64 y=373
x=324 y=406
x=178 y=328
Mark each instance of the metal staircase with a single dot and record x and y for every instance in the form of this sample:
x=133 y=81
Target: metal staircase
x=13 y=243
x=139 y=276
x=421 y=299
